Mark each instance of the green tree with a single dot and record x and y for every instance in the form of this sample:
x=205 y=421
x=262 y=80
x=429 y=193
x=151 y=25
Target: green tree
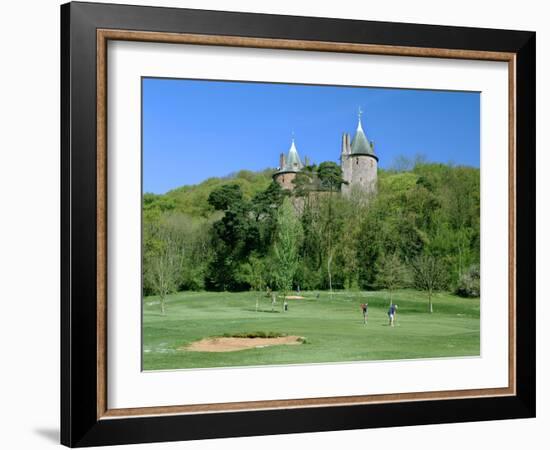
x=225 y=196
x=163 y=260
x=303 y=183
x=234 y=237
x=429 y=275
x=193 y=234
x=160 y=203
x=392 y=273
x=370 y=242
x=330 y=178
x=348 y=214
x=253 y=273
x=264 y=206
x=287 y=244
x=247 y=227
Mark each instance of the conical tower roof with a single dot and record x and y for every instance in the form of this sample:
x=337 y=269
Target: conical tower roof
x=293 y=162
x=360 y=145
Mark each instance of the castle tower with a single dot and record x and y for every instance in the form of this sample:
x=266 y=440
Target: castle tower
x=288 y=168
x=360 y=168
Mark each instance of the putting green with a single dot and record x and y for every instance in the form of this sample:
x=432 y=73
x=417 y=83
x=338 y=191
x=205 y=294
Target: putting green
x=332 y=326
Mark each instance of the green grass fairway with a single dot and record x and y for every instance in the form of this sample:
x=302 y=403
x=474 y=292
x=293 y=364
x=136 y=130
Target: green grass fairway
x=333 y=328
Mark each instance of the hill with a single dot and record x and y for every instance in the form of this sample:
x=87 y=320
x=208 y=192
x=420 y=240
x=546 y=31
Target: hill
x=192 y=199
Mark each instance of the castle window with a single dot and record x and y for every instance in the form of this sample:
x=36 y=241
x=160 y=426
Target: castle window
x=356 y=160
x=283 y=179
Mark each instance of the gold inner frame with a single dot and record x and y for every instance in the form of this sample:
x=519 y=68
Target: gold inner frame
x=104 y=35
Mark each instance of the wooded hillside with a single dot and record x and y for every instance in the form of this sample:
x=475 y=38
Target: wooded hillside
x=225 y=234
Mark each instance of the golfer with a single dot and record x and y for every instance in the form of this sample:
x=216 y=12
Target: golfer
x=365 y=309
x=392 y=312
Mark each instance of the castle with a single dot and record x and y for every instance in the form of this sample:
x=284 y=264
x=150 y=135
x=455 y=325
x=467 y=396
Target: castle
x=357 y=159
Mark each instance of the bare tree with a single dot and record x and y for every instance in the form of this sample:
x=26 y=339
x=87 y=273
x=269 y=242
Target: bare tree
x=392 y=273
x=164 y=261
x=429 y=275
x=330 y=177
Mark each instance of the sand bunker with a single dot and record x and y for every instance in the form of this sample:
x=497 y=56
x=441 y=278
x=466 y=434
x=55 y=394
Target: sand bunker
x=232 y=344
x=294 y=297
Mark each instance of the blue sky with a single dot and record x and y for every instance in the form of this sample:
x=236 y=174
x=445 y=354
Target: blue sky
x=195 y=129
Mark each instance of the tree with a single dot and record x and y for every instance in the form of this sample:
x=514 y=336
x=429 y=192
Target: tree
x=252 y=272
x=163 y=260
x=225 y=196
x=264 y=206
x=330 y=178
x=392 y=273
x=234 y=237
x=347 y=217
x=246 y=227
x=160 y=203
x=429 y=275
x=287 y=244
x=303 y=184
x=369 y=245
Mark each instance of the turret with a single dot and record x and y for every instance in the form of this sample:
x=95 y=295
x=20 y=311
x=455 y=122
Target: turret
x=282 y=162
x=289 y=167
x=345 y=162
x=363 y=173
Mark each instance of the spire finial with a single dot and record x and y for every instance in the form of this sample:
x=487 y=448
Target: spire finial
x=359 y=114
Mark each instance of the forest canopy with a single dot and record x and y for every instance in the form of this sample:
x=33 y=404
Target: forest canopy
x=236 y=233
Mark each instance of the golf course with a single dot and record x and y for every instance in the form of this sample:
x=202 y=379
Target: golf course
x=328 y=328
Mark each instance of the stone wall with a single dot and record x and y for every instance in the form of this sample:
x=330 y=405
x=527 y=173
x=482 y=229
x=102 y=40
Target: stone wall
x=364 y=172
x=285 y=180
x=361 y=172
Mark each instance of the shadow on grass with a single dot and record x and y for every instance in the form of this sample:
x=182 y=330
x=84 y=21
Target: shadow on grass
x=262 y=310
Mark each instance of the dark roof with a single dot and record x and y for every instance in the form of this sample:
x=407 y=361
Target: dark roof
x=360 y=145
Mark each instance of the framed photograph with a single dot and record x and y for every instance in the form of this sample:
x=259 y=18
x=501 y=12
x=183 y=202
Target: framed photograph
x=276 y=224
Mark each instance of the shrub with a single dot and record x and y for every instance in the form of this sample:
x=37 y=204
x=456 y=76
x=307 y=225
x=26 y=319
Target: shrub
x=255 y=334
x=468 y=285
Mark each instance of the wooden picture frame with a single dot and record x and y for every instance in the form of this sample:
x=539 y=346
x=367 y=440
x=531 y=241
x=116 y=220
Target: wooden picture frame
x=86 y=418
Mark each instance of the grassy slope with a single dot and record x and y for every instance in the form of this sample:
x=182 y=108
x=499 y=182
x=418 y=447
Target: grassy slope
x=333 y=328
